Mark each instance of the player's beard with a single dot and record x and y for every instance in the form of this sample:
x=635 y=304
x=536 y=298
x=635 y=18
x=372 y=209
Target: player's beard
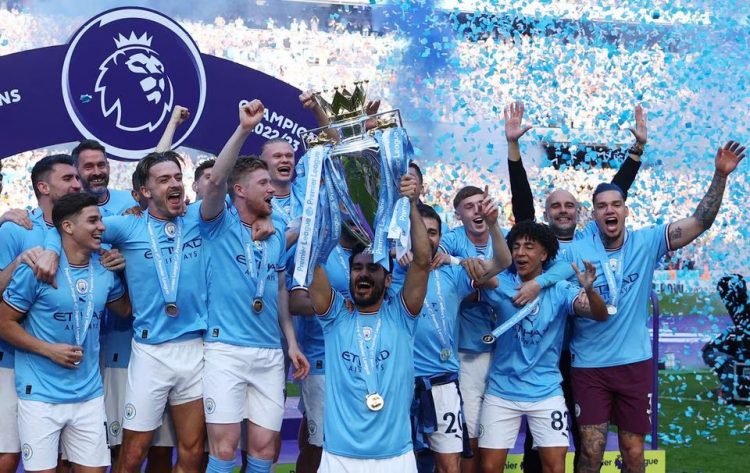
x=378 y=290
x=100 y=189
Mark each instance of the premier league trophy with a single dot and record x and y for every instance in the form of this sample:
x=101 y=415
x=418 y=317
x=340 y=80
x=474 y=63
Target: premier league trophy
x=351 y=173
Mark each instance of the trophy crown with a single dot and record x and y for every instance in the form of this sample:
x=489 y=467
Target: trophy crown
x=342 y=104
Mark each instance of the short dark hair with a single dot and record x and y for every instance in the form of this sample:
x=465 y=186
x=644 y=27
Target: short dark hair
x=83 y=146
x=271 y=142
x=201 y=168
x=418 y=170
x=428 y=212
x=44 y=167
x=465 y=193
x=358 y=248
x=538 y=232
x=70 y=205
x=152 y=159
x=243 y=166
x=136 y=180
x=608 y=186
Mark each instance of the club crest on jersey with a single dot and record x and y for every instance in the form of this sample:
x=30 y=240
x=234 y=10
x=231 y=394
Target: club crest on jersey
x=367 y=333
x=114 y=429
x=170 y=229
x=129 y=411
x=613 y=264
x=82 y=286
x=27 y=451
x=132 y=65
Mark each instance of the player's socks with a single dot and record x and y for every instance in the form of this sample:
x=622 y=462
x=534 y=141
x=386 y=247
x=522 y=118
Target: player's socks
x=256 y=465
x=219 y=466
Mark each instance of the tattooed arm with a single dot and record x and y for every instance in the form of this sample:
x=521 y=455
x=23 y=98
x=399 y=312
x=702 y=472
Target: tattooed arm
x=683 y=232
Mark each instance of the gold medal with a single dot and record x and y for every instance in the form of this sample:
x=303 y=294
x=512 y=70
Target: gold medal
x=374 y=402
x=445 y=354
x=171 y=309
x=257 y=306
x=611 y=310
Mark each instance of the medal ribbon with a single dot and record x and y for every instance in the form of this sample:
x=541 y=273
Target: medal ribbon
x=441 y=328
x=81 y=329
x=517 y=317
x=260 y=275
x=614 y=278
x=369 y=375
x=168 y=282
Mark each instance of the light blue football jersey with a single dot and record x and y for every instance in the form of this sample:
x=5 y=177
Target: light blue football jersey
x=309 y=331
x=116 y=332
x=232 y=288
x=624 y=338
x=525 y=366
x=476 y=318
x=14 y=240
x=447 y=286
x=50 y=317
x=350 y=428
x=130 y=234
x=118 y=201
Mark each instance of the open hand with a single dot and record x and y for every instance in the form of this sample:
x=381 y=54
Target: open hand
x=729 y=157
x=587 y=277
x=513 y=114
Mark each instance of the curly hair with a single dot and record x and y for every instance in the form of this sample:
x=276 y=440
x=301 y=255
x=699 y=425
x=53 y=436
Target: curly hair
x=538 y=232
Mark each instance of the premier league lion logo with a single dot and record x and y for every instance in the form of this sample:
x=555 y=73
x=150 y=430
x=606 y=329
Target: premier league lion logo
x=124 y=72
x=134 y=86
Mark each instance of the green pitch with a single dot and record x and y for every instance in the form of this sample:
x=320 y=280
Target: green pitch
x=699 y=434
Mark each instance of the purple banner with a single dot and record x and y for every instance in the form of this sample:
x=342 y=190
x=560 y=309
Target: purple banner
x=119 y=78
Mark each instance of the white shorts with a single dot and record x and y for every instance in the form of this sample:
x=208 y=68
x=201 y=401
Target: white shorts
x=312 y=390
x=330 y=463
x=168 y=373
x=9 y=442
x=472 y=377
x=501 y=420
x=115 y=382
x=448 y=437
x=76 y=429
x=244 y=383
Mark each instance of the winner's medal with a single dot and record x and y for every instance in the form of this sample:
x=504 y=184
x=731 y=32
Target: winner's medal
x=374 y=402
x=168 y=281
x=611 y=310
x=260 y=274
x=172 y=310
x=82 y=287
x=445 y=354
x=439 y=320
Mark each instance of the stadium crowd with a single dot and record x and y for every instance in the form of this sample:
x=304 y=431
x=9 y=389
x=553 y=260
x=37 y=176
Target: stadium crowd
x=546 y=321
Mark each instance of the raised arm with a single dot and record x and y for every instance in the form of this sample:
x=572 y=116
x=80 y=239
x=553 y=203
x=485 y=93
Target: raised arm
x=501 y=257
x=683 y=232
x=629 y=169
x=251 y=113
x=522 y=199
x=415 y=283
x=179 y=115
x=320 y=291
x=589 y=304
